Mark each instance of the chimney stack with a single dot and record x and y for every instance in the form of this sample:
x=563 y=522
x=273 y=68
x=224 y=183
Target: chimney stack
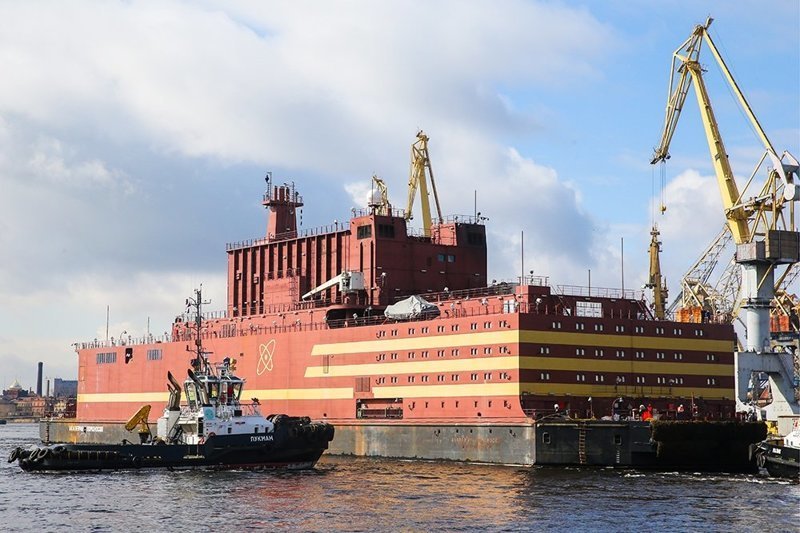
x=39 y=380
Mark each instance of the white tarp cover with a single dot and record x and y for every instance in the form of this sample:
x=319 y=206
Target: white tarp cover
x=411 y=307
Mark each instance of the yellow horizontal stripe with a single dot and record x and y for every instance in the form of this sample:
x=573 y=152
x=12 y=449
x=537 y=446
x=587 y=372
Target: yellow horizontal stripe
x=422 y=342
x=120 y=397
x=302 y=394
x=447 y=391
x=264 y=394
x=599 y=390
x=415 y=367
x=625 y=341
x=616 y=365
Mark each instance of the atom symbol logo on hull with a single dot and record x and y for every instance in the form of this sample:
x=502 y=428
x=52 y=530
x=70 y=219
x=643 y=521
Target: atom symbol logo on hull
x=265 y=352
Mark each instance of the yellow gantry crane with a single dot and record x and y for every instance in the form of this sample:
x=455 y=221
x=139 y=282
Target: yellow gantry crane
x=420 y=166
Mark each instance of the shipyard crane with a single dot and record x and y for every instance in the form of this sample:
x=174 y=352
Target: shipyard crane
x=748 y=220
x=420 y=166
x=763 y=237
x=656 y=281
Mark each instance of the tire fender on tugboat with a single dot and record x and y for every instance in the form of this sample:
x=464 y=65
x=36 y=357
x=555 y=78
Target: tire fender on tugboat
x=13 y=455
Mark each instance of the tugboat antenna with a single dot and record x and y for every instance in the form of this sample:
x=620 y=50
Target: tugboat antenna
x=197 y=304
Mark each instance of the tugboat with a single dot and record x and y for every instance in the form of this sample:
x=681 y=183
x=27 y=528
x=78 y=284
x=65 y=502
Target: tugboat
x=214 y=430
x=781 y=457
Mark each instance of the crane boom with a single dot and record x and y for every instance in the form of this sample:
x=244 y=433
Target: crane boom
x=689 y=69
x=420 y=161
x=656 y=281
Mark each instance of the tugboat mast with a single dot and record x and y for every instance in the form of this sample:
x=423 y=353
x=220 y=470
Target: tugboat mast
x=196 y=303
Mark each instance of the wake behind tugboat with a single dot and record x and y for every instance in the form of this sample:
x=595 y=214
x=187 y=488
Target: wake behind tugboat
x=214 y=430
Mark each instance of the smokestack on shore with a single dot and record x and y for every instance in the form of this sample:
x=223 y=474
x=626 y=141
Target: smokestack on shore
x=39 y=380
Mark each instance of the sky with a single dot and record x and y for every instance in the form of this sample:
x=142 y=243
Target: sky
x=135 y=137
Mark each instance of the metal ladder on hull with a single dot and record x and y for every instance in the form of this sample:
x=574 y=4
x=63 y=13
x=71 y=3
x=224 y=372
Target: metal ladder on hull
x=582 y=443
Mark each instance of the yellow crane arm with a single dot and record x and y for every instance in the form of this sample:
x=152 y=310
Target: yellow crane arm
x=685 y=61
x=790 y=191
x=420 y=162
x=689 y=68
x=140 y=420
x=656 y=281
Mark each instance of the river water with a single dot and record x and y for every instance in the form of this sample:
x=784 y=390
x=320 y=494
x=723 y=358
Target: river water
x=363 y=494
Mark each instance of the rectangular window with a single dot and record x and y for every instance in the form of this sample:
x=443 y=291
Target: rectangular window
x=589 y=309
x=451 y=258
x=154 y=355
x=106 y=357
x=386 y=231
x=440 y=258
x=475 y=239
x=364 y=231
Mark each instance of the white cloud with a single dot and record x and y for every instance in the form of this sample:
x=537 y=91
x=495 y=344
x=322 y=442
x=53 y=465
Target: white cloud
x=125 y=131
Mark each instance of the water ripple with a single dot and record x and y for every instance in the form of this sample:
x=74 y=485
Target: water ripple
x=369 y=494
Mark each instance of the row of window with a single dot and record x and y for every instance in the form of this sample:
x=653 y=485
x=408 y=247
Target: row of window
x=621 y=354
x=620 y=328
x=441 y=378
x=455 y=352
x=621 y=379
x=457 y=404
x=103 y=358
x=384 y=230
x=442 y=328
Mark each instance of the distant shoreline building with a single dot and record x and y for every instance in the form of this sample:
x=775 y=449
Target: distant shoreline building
x=16 y=402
